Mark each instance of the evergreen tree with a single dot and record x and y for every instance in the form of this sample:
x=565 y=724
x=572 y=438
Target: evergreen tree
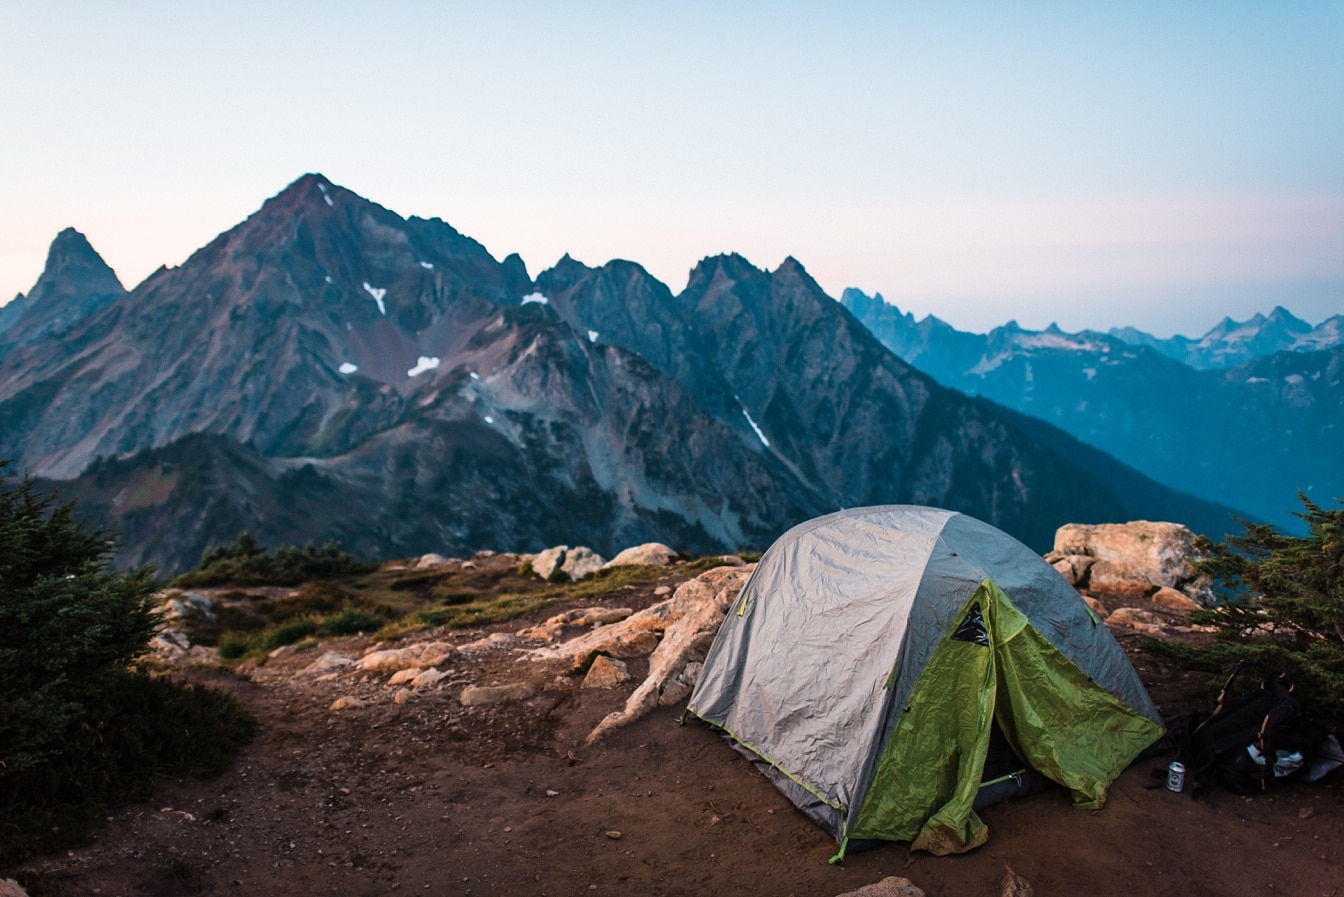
x=80 y=727
x=1284 y=604
x=66 y=622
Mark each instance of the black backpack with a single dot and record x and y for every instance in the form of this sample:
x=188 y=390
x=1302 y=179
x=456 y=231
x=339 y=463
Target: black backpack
x=1255 y=738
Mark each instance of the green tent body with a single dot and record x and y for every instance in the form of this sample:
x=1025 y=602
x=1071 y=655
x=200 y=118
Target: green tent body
x=876 y=654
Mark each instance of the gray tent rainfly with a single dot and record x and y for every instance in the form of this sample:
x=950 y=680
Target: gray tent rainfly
x=878 y=656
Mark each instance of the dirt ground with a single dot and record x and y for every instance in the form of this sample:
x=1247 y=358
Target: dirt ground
x=430 y=797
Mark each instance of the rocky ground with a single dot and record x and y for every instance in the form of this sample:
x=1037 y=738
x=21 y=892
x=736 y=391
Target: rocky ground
x=409 y=790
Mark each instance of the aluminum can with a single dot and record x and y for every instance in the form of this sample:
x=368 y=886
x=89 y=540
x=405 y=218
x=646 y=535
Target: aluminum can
x=1176 y=777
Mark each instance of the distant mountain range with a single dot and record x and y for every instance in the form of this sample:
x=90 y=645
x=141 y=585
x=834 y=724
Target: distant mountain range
x=1248 y=414
x=328 y=369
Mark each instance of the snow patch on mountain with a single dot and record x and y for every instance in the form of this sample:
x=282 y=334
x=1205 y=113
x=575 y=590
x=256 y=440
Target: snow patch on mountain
x=425 y=363
x=377 y=293
x=747 y=414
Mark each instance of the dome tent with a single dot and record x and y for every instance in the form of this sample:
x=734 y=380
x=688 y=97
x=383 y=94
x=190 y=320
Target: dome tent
x=873 y=652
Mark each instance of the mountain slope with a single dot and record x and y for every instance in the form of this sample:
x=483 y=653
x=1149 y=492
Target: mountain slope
x=1232 y=343
x=327 y=368
x=75 y=283
x=774 y=356
x=1249 y=436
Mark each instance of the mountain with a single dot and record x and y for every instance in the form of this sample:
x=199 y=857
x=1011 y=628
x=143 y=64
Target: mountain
x=75 y=283
x=330 y=369
x=1250 y=436
x=1233 y=343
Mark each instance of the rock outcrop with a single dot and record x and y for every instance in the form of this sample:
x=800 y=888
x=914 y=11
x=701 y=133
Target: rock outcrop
x=574 y=563
x=687 y=623
x=1130 y=560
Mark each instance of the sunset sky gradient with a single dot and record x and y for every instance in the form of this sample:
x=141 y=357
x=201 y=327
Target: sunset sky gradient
x=1148 y=164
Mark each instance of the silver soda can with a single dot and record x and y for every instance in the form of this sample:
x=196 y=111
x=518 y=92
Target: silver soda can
x=1176 y=777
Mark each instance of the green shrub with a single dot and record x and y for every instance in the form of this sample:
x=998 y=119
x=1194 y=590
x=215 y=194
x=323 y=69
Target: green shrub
x=247 y=562
x=1284 y=605
x=351 y=620
x=233 y=645
x=313 y=598
x=78 y=726
x=288 y=632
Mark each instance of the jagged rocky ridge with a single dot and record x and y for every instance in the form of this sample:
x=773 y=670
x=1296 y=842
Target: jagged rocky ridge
x=329 y=369
x=1250 y=435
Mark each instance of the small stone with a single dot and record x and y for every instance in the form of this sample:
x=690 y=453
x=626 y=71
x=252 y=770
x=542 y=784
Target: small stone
x=346 y=702
x=606 y=672
x=1306 y=812
x=1014 y=885
x=614 y=835
x=891 y=886
x=551 y=793
x=402 y=696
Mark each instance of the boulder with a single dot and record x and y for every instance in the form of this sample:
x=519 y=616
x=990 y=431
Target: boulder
x=346 y=702
x=606 y=672
x=389 y=660
x=402 y=696
x=575 y=563
x=429 y=561
x=1133 y=559
x=1174 y=600
x=650 y=554
x=11 y=888
x=485 y=695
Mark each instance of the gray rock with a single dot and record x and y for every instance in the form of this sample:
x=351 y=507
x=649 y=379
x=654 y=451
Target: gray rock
x=650 y=554
x=329 y=662
x=575 y=563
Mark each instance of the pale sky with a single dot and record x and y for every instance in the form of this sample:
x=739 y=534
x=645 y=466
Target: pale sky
x=1151 y=164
